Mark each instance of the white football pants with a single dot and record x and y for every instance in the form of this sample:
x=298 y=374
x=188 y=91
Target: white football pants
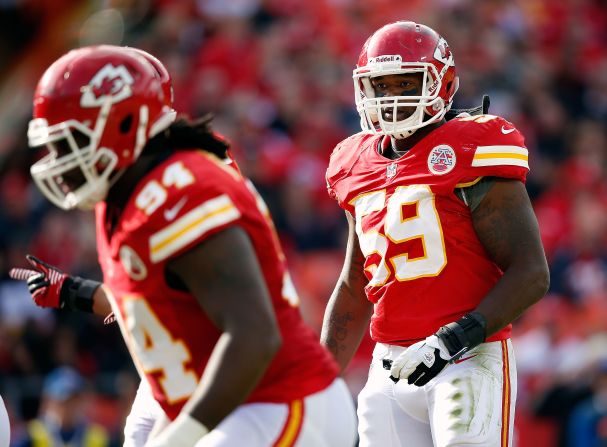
x=5 y=426
x=469 y=403
x=145 y=412
x=323 y=419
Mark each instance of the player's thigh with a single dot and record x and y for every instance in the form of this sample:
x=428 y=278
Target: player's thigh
x=249 y=424
x=330 y=418
x=145 y=413
x=5 y=427
x=472 y=403
x=321 y=419
x=383 y=419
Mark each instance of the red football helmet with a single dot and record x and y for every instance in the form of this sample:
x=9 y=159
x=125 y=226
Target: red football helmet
x=403 y=48
x=163 y=74
x=95 y=108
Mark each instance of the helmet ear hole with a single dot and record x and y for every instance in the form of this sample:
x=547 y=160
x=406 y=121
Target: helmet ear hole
x=126 y=123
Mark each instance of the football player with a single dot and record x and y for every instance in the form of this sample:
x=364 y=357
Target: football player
x=192 y=266
x=443 y=250
x=5 y=427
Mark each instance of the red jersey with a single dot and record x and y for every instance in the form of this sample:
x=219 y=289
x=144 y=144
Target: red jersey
x=180 y=203
x=424 y=263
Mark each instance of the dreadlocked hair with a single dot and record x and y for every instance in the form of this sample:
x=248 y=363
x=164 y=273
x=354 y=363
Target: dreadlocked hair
x=185 y=133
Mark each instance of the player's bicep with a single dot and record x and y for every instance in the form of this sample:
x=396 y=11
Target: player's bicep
x=223 y=273
x=354 y=264
x=348 y=310
x=350 y=287
x=506 y=224
x=473 y=195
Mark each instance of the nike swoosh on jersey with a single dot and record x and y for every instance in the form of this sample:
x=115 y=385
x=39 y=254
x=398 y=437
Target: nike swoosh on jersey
x=464 y=359
x=192 y=226
x=507 y=131
x=171 y=213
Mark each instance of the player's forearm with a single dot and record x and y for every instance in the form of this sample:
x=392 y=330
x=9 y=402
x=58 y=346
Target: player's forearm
x=236 y=365
x=519 y=288
x=101 y=303
x=345 y=322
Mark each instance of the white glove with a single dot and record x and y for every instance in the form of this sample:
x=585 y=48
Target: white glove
x=421 y=362
x=424 y=360
x=185 y=431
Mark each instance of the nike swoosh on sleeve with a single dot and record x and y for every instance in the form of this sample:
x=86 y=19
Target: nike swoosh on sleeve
x=507 y=131
x=191 y=226
x=171 y=213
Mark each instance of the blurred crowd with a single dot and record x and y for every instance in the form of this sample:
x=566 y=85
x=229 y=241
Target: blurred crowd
x=276 y=74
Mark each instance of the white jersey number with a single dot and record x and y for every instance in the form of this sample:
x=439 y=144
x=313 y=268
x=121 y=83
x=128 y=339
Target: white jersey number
x=424 y=225
x=153 y=195
x=155 y=349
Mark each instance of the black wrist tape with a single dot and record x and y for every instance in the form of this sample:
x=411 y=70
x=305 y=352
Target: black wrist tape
x=77 y=294
x=464 y=334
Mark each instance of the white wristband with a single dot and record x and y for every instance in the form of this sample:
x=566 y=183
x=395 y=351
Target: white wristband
x=185 y=431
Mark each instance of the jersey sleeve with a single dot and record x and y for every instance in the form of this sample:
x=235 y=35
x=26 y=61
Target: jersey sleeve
x=499 y=151
x=191 y=213
x=335 y=172
x=341 y=163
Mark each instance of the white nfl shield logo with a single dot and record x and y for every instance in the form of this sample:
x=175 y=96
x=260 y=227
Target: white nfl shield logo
x=391 y=170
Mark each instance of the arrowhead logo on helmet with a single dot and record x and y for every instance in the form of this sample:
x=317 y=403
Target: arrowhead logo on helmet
x=443 y=53
x=110 y=83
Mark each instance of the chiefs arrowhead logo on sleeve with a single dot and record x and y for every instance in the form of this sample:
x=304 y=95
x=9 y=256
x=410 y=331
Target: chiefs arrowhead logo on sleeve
x=111 y=84
x=132 y=263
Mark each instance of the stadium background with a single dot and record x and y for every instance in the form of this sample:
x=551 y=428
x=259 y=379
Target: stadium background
x=277 y=76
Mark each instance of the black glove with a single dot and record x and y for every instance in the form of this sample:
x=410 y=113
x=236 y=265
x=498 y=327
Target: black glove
x=51 y=287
